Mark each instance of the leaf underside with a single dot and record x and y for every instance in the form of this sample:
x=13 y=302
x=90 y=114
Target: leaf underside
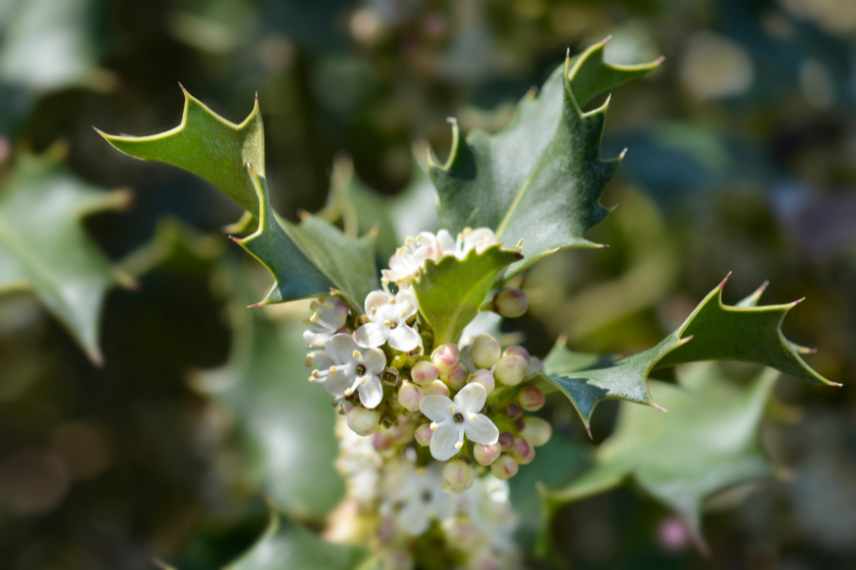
x=451 y=291
x=708 y=442
x=713 y=331
x=539 y=181
x=45 y=249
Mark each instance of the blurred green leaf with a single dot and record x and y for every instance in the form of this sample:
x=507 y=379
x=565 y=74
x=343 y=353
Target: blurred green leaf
x=45 y=249
x=292 y=547
x=707 y=442
x=714 y=331
x=539 y=181
x=288 y=421
x=451 y=290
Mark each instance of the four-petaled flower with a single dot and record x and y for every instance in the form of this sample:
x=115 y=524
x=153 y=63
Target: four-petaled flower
x=388 y=317
x=327 y=318
x=409 y=258
x=344 y=368
x=417 y=499
x=451 y=420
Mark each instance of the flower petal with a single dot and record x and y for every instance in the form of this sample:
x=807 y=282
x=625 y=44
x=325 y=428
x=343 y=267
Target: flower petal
x=370 y=335
x=337 y=381
x=376 y=299
x=471 y=398
x=341 y=348
x=437 y=408
x=404 y=338
x=413 y=518
x=446 y=441
x=374 y=360
x=480 y=429
x=406 y=303
x=371 y=392
x=318 y=360
x=312 y=338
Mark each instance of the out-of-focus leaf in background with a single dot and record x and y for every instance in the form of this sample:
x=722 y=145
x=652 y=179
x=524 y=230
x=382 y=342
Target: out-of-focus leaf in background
x=55 y=259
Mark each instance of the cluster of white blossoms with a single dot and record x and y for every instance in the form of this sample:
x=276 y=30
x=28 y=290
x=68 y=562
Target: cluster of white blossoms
x=430 y=432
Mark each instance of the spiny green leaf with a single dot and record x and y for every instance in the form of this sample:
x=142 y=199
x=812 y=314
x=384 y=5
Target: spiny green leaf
x=45 y=249
x=538 y=181
x=713 y=331
x=451 y=290
x=288 y=422
x=293 y=547
x=311 y=257
x=707 y=442
x=207 y=145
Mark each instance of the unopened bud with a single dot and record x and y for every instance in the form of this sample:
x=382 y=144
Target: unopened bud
x=510 y=370
x=362 y=421
x=522 y=452
x=424 y=372
x=511 y=303
x=485 y=351
x=409 y=396
x=456 y=377
x=506 y=440
x=422 y=435
x=458 y=475
x=486 y=454
x=382 y=440
x=504 y=468
x=437 y=387
x=537 y=431
x=531 y=398
x=518 y=350
x=485 y=378
x=445 y=357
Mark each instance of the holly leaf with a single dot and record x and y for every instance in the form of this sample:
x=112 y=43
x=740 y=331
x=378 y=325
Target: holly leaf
x=293 y=547
x=311 y=257
x=207 y=145
x=708 y=442
x=713 y=331
x=539 y=181
x=288 y=423
x=306 y=259
x=45 y=249
x=451 y=291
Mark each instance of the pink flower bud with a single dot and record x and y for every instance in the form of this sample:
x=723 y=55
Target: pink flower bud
x=362 y=421
x=437 y=387
x=424 y=372
x=485 y=351
x=423 y=434
x=537 y=431
x=456 y=377
x=510 y=370
x=486 y=454
x=445 y=356
x=522 y=452
x=531 y=398
x=511 y=303
x=409 y=396
x=504 y=468
x=485 y=378
x=382 y=440
x=458 y=475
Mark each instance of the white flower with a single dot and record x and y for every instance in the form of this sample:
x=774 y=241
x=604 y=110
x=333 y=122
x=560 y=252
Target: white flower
x=344 y=368
x=388 y=316
x=328 y=316
x=451 y=420
x=410 y=257
x=479 y=239
x=417 y=498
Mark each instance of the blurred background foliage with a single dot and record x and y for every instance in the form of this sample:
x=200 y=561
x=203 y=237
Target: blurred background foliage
x=742 y=154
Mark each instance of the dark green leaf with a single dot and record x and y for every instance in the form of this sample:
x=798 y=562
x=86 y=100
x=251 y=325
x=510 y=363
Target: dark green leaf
x=714 y=331
x=538 y=181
